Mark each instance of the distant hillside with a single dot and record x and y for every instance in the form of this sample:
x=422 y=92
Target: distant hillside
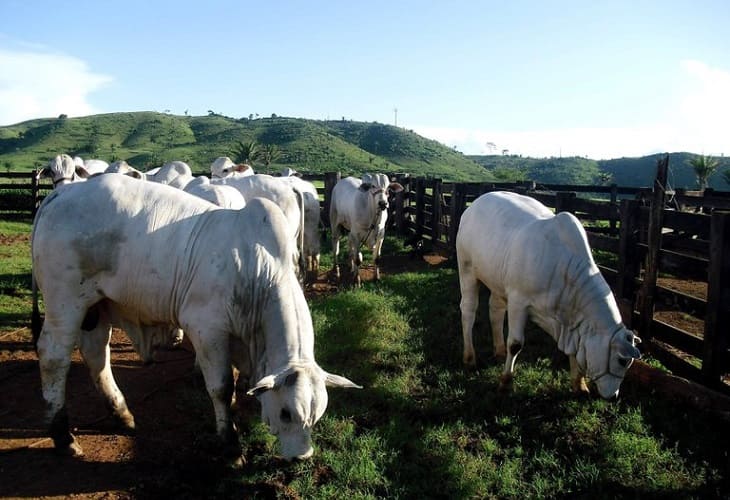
x=633 y=172
x=147 y=139
x=641 y=171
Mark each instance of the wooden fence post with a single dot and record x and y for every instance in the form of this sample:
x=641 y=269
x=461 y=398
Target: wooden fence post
x=614 y=201
x=717 y=317
x=654 y=241
x=420 y=207
x=330 y=179
x=564 y=201
x=629 y=263
x=458 y=205
x=437 y=191
x=35 y=187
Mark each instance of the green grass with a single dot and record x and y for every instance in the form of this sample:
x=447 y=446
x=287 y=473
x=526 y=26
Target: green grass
x=423 y=426
x=15 y=283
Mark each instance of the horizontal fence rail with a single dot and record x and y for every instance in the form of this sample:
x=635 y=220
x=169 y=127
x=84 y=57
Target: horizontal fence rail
x=691 y=244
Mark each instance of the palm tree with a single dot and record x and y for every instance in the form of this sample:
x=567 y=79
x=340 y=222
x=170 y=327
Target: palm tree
x=246 y=152
x=704 y=167
x=269 y=154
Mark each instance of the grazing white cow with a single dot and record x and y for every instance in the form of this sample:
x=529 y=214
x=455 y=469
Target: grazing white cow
x=360 y=206
x=539 y=265
x=223 y=196
x=286 y=196
x=224 y=167
x=152 y=255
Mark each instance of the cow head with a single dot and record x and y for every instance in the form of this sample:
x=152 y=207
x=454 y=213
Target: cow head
x=224 y=167
x=380 y=188
x=606 y=359
x=292 y=401
x=124 y=168
x=63 y=170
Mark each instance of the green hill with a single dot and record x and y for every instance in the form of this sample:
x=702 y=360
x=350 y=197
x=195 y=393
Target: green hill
x=630 y=172
x=147 y=139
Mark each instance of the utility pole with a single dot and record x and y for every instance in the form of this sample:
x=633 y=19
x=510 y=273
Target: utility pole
x=395 y=110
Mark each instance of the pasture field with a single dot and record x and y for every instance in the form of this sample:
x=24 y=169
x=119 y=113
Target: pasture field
x=423 y=426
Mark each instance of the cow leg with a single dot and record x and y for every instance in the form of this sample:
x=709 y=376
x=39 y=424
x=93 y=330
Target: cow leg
x=215 y=364
x=336 y=250
x=376 y=255
x=355 y=258
x=577 y=377
x=94 y=347
x=516 y=321
x=55 y=345
x=468 y=305
x=497 y=311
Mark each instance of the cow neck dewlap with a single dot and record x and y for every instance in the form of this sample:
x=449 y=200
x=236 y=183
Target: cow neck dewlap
x=257 y=278
x=588 y=309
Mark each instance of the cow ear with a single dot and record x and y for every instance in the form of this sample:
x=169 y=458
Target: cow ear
x=82 y=172
x=242 y=167
x=262 y=386
x=395 y=187
x=365 y=186
x=44 y=172
x=331 y=380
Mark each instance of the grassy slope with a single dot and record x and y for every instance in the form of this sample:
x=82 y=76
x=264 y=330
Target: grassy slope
x=147 y=139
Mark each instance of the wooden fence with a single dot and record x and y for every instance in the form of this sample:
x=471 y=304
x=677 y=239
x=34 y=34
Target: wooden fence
x=21 y=194
x=636 y=233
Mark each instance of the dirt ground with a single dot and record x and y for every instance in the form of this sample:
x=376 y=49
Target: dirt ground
x=167 y=447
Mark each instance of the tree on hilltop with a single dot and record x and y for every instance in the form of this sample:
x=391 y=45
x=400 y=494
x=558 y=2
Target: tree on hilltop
x=269 y=154
x=704 y=167
x=246 y=152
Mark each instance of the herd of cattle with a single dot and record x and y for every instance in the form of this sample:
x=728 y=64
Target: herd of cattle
x=161 y=252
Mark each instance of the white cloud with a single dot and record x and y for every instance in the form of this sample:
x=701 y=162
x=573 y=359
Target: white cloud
x=695 y=122
x=37 y=84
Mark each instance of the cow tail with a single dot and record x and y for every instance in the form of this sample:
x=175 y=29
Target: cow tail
x=300 y=202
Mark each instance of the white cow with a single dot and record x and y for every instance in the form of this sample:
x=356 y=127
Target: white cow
x=174 y=173
x=93 y=166
x=223 y=196
x=224 y=167
x=62 y=169
x=539 y=265
x=124 y=168
x=360 y=206
x=152 y=255
x=286 y=196
x=312 y=220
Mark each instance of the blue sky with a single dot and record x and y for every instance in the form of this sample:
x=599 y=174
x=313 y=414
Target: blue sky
x=602 y=79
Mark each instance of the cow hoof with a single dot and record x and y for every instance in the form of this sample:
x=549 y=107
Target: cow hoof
x=470 y=361
x=72 y=449
x=125 y=420
x=236 y=463
x=580 y=387
x=505 y=383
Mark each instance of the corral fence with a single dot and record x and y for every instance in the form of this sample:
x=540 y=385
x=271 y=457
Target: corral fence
x=643 y=235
